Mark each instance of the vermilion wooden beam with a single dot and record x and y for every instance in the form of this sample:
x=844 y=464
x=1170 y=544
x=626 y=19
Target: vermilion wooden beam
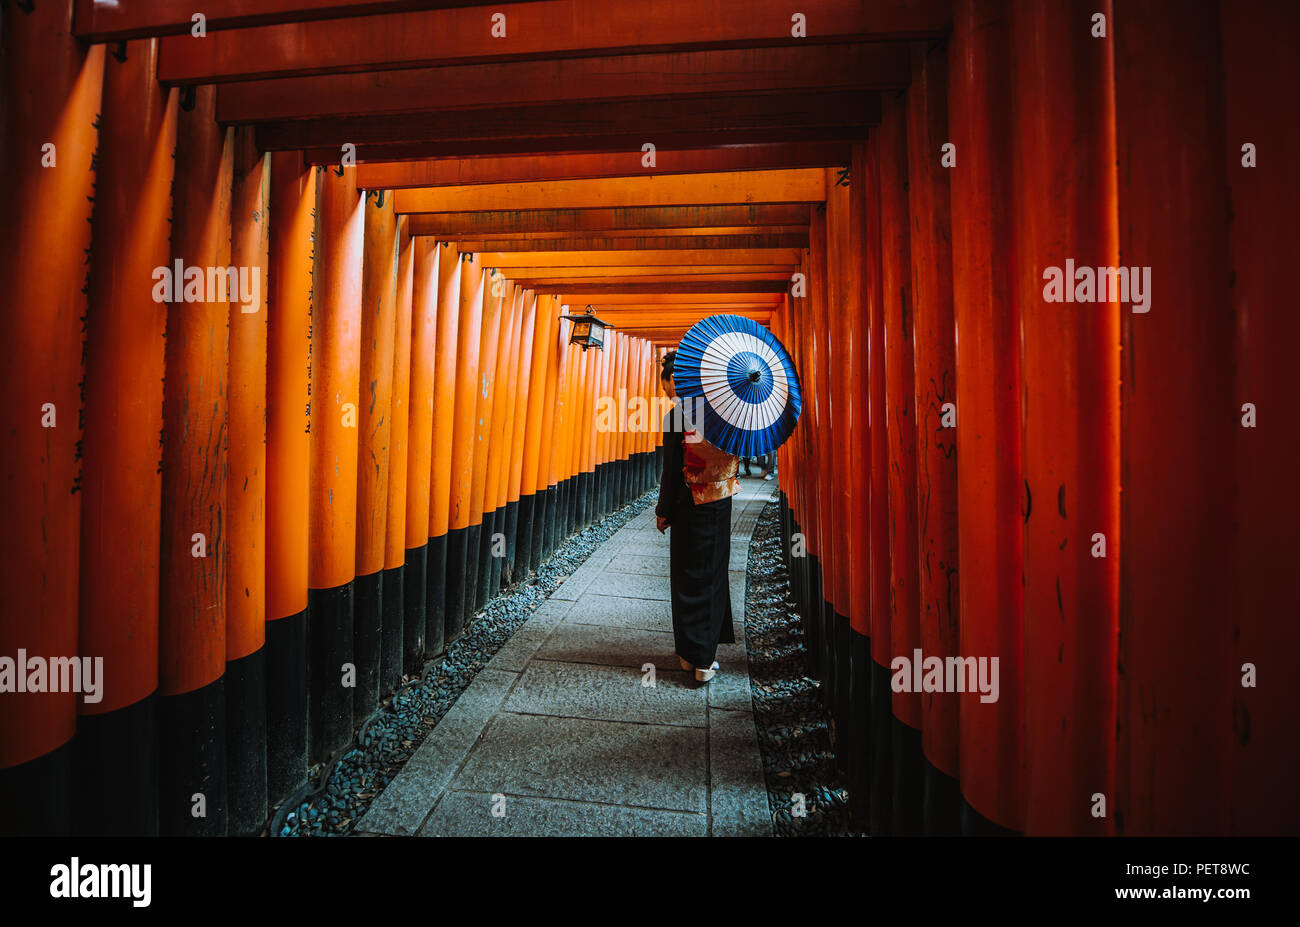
x=718 y=301
x=601 y=276
x=674 y=219
x=632 y=258
x=793 y=186
x=133 y=19
x=859 y=66
x=539 y=29
x=536 y=246
x=641 y=121
x=591 y=291
x=621 y=143
x=439 y=172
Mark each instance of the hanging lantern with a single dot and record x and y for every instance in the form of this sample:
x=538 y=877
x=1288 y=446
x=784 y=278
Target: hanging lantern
x=588 y=330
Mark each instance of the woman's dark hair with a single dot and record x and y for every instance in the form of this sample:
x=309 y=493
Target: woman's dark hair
x=669 y=360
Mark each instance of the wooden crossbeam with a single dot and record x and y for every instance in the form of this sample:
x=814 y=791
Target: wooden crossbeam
x=714 y=72
x=536 y=29
x=737 y=187
x=630 y=258
x=512 y=221
x=538 y=246
x=441 y=172
x=523 y=126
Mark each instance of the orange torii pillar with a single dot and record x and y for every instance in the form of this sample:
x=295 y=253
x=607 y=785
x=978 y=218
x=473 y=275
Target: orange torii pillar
x=840 y=278
x=807 y=543
x=419 y=432
x=989 y=479
x=246 y=493
x=826 y=554
x=499 y=461
x=531 y=496
x=513 y=415
x=53 y=85
x=858 y=684
x=1259 y=39
x=336 y=362
x=484 y=453
x=881 y=566
x=904 y=631
x=584 y=470
x=1174 y=702
x=936 y=422
x=374 y=437
x=462 y=537
x=1063 y=89
x=115 y=787
x=570 y=462
x=438 y=629
x=519 y=530
x=288 y=454
x=552 y=440
x=564 y=440
x=393 y=592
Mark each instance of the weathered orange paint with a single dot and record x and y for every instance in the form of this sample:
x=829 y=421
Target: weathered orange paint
x=1064 y=89
x=419 y=428
x=445 y=389
x=288 y=380
x=121 y=477
x=53 y=87
x=399 y=434
x=246 y=484
x=379 y=262
x=990 y=483
x=467 y=367
x=489 y=346
x=896 y=280
x=336 y=371
x=933 y=339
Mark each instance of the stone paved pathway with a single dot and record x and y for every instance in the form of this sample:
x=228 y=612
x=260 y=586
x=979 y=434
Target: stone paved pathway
x=561 y=736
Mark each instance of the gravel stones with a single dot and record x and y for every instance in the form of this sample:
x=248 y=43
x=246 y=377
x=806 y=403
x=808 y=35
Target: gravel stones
x=807 y=795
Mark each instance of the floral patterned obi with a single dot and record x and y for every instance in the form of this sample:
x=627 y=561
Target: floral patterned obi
x=710 y=473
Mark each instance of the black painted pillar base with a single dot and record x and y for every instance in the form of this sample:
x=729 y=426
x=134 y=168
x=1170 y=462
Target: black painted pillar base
x=35 y=797
x=524 y=538
x=286 y=706
x=393 y=600
x=435 y=597
x=473 y=565
x=457 y=568
x=115 y=772
x=367 y=642
x=882 y=767
x=940 y=802
x=974 y=824
x=329 y=647
x=483 y=587
x=509 y=569
x=498 y=551
x=844 y=635
x=540 y=518
x=812 y=619
x=414 y=589
x=581 y=504
x=859 y=759
x=192 y=762
x=246 y=744
x=908 y=773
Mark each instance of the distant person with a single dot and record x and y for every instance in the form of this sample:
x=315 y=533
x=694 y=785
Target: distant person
x=695 y=493
x=764 y=462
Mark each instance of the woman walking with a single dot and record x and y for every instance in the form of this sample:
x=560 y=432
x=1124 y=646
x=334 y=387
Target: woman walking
x=695 y=493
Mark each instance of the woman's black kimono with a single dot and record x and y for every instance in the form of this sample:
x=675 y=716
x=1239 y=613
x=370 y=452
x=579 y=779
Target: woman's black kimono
x=699 y=552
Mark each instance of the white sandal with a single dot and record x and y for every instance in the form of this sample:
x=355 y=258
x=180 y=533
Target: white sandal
x=704 y=675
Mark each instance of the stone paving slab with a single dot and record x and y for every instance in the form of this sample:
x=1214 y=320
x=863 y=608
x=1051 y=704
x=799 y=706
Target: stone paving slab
x=645 y=765
x=610 y=693
x=561 y=733
x=614 y=612
x=470 y=814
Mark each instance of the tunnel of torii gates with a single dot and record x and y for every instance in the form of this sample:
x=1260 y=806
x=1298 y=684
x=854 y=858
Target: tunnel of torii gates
x=1002 y=454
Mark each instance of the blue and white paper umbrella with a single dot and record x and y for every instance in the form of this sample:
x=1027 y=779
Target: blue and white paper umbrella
x=738 y=385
